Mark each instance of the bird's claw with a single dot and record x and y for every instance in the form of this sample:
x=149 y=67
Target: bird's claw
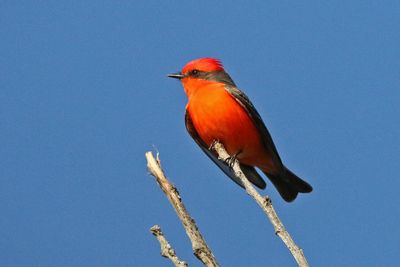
x=230 y=161
x=212 y=146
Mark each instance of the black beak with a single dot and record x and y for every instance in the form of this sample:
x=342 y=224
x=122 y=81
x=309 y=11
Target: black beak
x=177 y=75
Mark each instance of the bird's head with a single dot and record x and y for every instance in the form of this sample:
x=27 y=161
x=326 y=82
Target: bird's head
x=197 y=67
x=202 y=69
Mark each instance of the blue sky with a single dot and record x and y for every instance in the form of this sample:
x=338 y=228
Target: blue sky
x=84 y=94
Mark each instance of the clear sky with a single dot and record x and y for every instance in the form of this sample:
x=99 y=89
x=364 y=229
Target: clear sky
x=84 y=94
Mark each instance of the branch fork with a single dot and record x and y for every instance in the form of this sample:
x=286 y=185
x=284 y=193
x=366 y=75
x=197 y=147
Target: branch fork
x=199 y=245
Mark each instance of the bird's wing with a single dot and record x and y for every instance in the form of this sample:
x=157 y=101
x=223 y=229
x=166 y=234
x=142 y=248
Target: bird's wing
x=249 y=171
x=245 y=102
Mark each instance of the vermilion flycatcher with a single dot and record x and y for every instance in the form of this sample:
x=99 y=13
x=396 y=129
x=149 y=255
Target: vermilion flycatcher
x=218 y=110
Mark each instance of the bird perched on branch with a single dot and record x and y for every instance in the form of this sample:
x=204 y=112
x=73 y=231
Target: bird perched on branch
x=218 y=111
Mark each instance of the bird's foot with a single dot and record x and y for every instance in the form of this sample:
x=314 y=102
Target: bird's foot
x=212 y=146
x=230 y=161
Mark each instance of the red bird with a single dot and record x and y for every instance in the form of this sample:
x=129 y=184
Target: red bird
x=218 y=110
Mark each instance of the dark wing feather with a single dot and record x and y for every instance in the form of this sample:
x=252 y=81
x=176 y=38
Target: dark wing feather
x=249 y=171
x=243 y=100
x=286 y=182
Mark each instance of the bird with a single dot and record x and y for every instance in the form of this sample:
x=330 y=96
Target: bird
x=217 y=110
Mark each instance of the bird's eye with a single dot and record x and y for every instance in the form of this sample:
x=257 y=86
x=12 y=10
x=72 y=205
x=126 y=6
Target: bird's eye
x=194 y=72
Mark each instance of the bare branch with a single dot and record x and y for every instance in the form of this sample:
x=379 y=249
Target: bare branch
x=199 y=245
x=266 y=204
x=166 y=249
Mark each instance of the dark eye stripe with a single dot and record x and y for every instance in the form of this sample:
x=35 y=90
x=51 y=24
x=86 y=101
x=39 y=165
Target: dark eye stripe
x=218 y=76
x=194 y=72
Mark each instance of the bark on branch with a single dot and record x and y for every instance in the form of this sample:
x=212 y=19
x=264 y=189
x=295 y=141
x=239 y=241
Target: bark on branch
x=199 y=245
x=166 y=249
x=266 y=204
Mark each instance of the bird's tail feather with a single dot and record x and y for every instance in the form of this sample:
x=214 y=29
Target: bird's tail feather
x=289 y=184
x=253 y=176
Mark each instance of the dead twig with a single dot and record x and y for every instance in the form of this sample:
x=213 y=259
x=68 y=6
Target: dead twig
x=166 y=249
x=199 y=245
x=266 y=204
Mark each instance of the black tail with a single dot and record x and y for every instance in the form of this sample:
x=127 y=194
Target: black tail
x=289 y=185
